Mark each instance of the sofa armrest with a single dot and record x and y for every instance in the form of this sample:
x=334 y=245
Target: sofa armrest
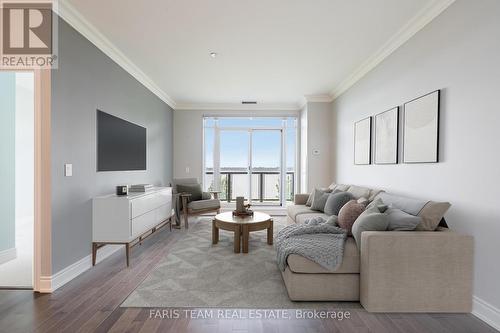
x=300 y=198
x=416 y=271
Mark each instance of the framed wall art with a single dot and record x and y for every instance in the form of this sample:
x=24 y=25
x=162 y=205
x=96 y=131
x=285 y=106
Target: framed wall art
x=386 y=137
x=362 y=141
x=421 y=129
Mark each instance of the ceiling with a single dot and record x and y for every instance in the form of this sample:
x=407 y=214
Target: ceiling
x=274 y=52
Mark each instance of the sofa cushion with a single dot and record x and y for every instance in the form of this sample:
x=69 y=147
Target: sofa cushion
x=401 y=221
x=204 y=204
x=342 y=187
x=193 y=189
x=370 y=220
x=319 y=200
x=336 y=201
x=431 y=215
x=350 y=261
x=359 y=192
x=408 y=205
x=349 y=213
x=294 y=210
x=310 y=200
x=374 y=193
x=178 y=181
x=301 y=218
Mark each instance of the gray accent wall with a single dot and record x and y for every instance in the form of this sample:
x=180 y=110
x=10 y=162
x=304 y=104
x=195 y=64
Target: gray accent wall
x=458 y=52
x=7 y=160
x=87 y=80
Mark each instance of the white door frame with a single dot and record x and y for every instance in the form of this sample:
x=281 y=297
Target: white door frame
x=42 y=233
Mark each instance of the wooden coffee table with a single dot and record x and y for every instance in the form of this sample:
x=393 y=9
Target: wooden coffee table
x=242 y=226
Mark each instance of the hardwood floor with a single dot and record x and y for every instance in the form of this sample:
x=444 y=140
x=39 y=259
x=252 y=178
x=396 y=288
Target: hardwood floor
x=91 y=303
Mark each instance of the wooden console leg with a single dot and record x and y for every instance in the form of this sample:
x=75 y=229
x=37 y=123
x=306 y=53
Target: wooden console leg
x=94 y=253
x=127 y=252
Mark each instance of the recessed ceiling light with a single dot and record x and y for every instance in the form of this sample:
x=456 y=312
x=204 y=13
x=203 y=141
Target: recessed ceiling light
x=213 y=54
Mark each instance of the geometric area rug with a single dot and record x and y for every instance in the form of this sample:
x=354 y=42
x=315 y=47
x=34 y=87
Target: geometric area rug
x=197 y=274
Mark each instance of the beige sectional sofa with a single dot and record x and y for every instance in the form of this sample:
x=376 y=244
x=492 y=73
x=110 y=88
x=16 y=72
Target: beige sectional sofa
x=396 y=271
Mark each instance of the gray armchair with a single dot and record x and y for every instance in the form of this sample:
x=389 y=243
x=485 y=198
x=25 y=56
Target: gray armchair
x=184 y=206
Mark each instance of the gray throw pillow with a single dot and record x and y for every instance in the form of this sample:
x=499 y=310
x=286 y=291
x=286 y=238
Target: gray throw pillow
x=319 y=200
x=378 y=203
x=370 y=220
x=193 y=189
x=310 y=199
x=401 y=221
x=336 y=201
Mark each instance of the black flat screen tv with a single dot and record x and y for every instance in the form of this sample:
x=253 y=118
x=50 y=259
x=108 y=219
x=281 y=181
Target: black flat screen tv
x=121 y=145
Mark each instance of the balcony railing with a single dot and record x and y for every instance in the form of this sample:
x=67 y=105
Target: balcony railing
x=265 y=185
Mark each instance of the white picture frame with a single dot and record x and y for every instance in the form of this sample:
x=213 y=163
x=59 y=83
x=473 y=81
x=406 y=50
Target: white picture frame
x=421 y=129
x=362 y=141
x=386 y=136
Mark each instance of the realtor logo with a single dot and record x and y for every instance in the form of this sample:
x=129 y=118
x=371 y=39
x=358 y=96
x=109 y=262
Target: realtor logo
x=27 y=28
x=27 y=37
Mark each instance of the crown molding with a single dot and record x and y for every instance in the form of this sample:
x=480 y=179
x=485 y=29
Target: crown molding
x=318 y=98
x=84 y=27
x=239 y=107
x=419 y=21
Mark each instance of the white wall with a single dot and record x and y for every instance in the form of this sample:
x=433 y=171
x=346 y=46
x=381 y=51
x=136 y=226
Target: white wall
x=188 y=137
x=319 y=132
x=459 y=52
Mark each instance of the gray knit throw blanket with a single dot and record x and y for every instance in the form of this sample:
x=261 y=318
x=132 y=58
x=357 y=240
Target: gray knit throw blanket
x=321 y=242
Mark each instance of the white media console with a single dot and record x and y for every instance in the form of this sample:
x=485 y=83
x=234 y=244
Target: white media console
x=129 y=219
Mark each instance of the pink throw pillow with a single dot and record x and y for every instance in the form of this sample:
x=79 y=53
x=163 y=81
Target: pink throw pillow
x=349 y=213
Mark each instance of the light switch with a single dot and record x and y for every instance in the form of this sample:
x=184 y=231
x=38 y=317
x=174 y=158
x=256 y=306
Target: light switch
x=316 y=151
x=187 y=169
x=68 y=170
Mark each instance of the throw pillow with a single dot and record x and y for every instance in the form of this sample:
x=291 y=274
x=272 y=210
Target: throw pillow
x=431 y=215
x=349 y=213
x=378 y=203
x=336 y=201
x=193 y=189
x=319 y=200
x=370 y=220
x=342 y=187
x=310 y=199
x=401 y=221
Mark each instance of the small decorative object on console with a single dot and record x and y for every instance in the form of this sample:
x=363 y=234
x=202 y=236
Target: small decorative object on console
x=122 y=190
x=141 y=187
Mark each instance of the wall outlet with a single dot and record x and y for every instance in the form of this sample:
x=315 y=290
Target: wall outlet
x=316 y=151
x=68 y=170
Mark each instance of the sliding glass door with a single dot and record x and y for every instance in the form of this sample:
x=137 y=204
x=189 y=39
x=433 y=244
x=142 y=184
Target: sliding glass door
x=266 y=166
x=250 y=157
x=234 y=164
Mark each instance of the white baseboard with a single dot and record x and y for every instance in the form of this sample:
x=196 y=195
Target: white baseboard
x=72 y=271
x=486 y=312
x=8 y=255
